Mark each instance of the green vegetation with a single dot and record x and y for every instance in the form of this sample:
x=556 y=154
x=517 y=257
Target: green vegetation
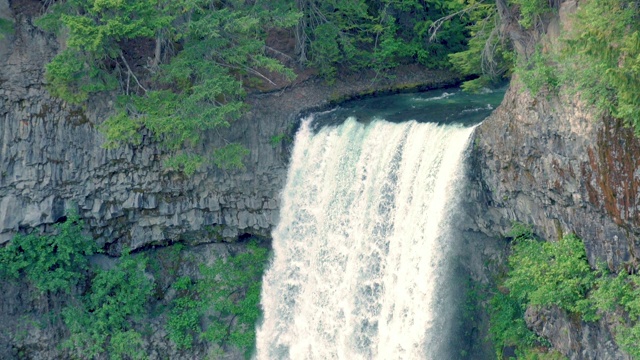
x=377 y=34
x=6 y=27
x=279 y=139
x=198 y=55
x=229 y=293
x=182 y=67
x=51 y=263
x=598 y=56
x=619 y=294
x=531 y=12
x=601 y=58
x=558 y=274
x=106 y=310
x=104 y=320
x=538 y=74
x=488 y=55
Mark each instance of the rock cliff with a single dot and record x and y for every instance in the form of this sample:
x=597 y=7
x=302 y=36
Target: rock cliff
x=550 y=162
x=52 y=158
x=545 y=161
x=52 y=161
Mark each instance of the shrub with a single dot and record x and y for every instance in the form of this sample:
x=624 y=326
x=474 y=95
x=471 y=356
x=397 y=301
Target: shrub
x=531 y=11
x=51 y=262
x=103 y=321
x=538 y=73
x=546 y=273
x=229 y=290
x=558 y=274
x=602 y=58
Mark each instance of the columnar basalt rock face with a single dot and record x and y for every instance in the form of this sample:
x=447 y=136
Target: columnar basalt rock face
x=574 y=338
x=52 y=158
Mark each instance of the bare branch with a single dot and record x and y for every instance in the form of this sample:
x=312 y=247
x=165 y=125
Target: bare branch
x=131 y=72
x=257 y=73
x=278 y=52
x=433 y=29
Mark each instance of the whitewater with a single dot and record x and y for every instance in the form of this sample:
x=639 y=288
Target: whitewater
x=361 y=253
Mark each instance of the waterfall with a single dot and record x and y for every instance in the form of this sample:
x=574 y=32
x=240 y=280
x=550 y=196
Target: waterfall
x=360 y=267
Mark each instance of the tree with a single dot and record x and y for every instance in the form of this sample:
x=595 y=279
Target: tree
x=192 y=82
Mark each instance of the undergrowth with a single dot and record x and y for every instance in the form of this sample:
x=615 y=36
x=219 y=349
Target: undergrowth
x=544 y=274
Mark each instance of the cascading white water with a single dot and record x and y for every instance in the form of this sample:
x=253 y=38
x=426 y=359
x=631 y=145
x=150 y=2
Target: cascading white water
x=360 y=253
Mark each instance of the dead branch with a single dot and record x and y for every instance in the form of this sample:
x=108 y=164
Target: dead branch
x=435 y=27
x=131 y=72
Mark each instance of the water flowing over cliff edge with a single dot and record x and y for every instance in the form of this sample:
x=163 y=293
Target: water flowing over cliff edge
x=363 y=254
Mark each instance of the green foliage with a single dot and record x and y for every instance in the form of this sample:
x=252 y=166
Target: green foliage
x=558 y=274
x=183 y=321
x=507 y=326
x=540 y=274
x=220 y=307
x=546 y=273
x=598 y=57
x=376 y=34
x=192 y=83
x=6 y=27
x=186 y=162
x=531 y=11
x=538 y=73
x=73 y=77
x=230 y=156
x=182 y=66
x=51 y=262
x=620 y=293
x=602 y=58
x=488 y=55
x=230 y=290
x=279 y=139
x=96 y=31
x=103 y=322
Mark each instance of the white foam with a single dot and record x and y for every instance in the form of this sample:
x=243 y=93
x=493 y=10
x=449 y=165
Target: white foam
x=363 y=233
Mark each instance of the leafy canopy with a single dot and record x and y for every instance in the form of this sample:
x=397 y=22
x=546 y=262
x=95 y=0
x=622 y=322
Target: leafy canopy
x=182 y=66
x=190 y=84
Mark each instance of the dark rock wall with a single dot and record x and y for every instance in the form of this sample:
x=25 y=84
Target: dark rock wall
x=52 y=158
x=549 y=161
x=575 y=338
x=544 y=161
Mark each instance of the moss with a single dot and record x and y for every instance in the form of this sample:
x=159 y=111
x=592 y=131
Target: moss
x=6 y=27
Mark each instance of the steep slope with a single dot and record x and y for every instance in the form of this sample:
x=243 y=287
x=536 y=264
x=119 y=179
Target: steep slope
x=549 y=162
